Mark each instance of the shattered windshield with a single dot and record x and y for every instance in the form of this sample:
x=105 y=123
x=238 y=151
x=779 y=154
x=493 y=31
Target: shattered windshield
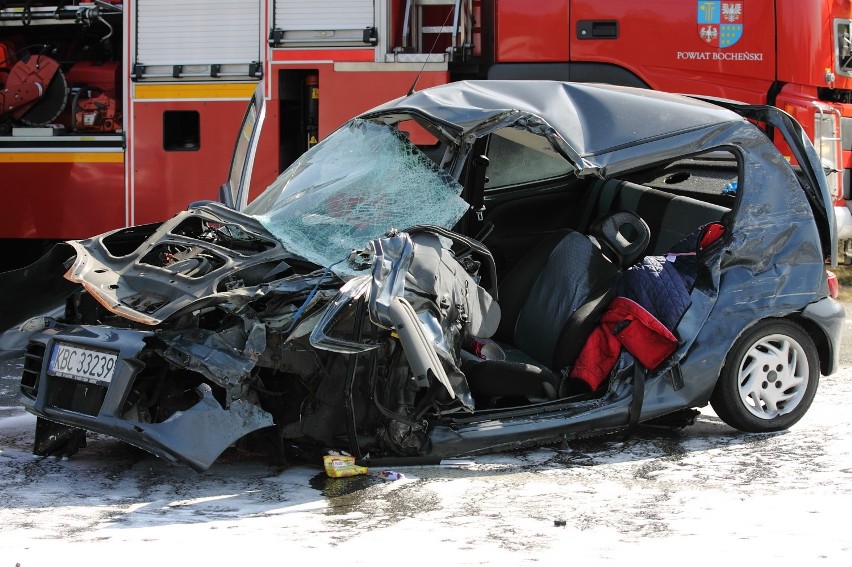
x=361 y=181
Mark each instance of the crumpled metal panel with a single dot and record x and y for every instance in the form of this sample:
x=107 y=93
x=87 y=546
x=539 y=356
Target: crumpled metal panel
x=133 y=286
x=434 y=270
x=198 y=435
x=389 y=308
x=195 y=436
x=410 y=267
x=392 y=258
x=213 y=355
x=592 y=119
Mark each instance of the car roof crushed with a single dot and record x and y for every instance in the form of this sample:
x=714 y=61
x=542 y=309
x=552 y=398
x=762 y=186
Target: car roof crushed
x=590 y=118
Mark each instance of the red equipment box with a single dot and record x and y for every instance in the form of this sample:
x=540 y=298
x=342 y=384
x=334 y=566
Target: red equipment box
x=104 y=76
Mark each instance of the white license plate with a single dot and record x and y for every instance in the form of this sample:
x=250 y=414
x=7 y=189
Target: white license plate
x=72 y=361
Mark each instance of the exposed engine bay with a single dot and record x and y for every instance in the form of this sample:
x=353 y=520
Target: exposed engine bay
x=270 y=342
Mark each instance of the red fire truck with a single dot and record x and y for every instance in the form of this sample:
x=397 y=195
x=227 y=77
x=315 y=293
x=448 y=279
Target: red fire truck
x=137 y=117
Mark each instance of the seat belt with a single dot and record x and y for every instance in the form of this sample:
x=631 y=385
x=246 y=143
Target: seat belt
x=591 y=205
x=601 y=198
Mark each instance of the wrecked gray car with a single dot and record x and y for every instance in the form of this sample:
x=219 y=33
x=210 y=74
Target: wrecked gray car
x=475 y=267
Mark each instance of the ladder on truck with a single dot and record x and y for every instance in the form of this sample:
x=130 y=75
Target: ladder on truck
x=456 y=25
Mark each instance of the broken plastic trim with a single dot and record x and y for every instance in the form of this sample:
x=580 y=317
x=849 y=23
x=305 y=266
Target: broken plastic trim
x=353 y=290
x=389 y=309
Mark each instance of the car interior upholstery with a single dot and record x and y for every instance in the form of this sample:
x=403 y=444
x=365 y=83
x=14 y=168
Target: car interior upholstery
x=670 y=217
x=549 y=306
x=544 y=331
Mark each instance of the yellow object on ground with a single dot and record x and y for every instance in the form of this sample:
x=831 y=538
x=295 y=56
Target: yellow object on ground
x=337 y=466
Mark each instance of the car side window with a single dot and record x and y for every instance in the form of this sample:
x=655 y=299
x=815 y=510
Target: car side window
x=525 y=158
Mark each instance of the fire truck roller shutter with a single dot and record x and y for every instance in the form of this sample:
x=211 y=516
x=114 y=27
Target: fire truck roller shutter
x=323 y=23
x=223 y=41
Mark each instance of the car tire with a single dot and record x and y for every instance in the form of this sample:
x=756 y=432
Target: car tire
x=769 y=378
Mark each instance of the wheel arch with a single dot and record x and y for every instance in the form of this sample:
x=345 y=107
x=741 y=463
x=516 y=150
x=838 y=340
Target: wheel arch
x=824 y=321
x=816 y=329
x=812 y=329
x=821 y=341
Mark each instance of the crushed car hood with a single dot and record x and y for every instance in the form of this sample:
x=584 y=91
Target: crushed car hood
x=205 y=254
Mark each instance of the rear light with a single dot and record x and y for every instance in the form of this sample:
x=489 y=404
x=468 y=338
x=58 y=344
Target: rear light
x=833 y=284
x=827 y=141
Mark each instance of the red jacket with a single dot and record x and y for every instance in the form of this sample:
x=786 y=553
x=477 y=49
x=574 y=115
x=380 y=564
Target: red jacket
x=624 y=323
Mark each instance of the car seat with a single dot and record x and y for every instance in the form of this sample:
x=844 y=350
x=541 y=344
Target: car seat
x=551 y=300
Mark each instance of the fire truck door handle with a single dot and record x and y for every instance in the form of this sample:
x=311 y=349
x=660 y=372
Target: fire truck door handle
x=597 y=29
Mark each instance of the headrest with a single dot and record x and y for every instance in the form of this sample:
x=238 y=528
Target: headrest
x=623 y=237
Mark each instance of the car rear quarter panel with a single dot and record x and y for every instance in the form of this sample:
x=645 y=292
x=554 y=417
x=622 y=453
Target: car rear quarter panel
x=770 y=263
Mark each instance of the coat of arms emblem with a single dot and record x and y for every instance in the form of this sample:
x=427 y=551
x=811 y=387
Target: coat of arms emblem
x=720 y=23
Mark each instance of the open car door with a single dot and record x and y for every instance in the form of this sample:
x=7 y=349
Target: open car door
x=234 y=192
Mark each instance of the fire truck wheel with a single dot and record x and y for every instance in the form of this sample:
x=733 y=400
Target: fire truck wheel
x=769 y=379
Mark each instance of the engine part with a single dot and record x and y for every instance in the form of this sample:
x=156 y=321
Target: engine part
x=94 y=111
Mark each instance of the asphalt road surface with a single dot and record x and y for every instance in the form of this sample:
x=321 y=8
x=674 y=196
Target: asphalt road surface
x=704 y=495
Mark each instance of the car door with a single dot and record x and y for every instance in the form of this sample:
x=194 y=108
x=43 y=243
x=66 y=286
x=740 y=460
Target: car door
x=234 y=192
